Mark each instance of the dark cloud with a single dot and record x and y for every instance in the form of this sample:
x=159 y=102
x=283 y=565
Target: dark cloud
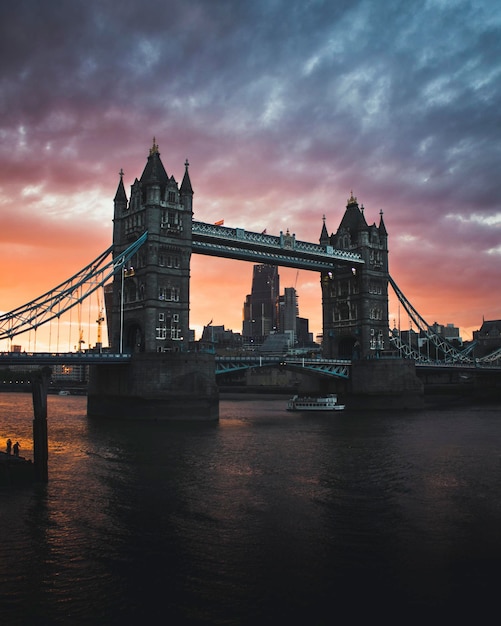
x=283 y=107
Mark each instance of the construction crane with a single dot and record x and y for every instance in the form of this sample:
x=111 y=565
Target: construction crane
x=80 y=340
x=99 y=321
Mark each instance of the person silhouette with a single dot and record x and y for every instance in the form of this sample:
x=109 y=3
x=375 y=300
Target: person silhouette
x=9 y=445
x=16 y=447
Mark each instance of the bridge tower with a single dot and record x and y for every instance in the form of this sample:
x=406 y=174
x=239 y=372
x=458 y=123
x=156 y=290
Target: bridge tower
x=150 y=310
x=355 y=300
x=150 y=302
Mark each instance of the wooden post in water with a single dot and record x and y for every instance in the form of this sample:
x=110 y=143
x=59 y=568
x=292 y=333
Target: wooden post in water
x=39 y=386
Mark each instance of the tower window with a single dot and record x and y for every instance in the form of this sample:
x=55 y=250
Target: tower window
x=175 y=333
x=174 y=294
x=161 y=332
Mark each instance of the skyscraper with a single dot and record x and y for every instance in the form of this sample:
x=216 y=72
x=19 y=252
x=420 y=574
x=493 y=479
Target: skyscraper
x=288 y=312
x=260 y=307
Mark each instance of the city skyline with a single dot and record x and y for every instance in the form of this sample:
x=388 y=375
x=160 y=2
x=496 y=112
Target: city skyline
x=283 y=110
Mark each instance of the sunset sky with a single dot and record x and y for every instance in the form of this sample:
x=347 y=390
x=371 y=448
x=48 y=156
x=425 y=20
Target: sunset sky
x=283 y=108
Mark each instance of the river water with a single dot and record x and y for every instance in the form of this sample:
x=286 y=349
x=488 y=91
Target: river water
x=266 y=517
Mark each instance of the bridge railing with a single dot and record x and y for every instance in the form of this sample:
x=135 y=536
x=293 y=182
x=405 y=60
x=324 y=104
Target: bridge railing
x=281 y=242
x=327 y=367
x=72 y=292
x=42 y=358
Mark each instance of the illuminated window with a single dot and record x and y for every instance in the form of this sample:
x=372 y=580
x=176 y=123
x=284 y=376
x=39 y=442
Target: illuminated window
x=161 y=332
x=175 y=333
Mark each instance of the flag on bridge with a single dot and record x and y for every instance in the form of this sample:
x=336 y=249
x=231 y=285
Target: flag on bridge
x=220 y=223
x=264 y=232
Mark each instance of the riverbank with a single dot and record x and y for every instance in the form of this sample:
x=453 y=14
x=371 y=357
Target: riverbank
x=15 y=470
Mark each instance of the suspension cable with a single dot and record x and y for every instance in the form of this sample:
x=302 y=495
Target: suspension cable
x=65 y=296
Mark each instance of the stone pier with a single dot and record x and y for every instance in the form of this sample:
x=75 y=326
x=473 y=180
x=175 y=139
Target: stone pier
x=156 y=386
x=388 y=384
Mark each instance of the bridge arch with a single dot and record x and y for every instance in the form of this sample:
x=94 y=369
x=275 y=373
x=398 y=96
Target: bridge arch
x=134 y=337
x=348 y=347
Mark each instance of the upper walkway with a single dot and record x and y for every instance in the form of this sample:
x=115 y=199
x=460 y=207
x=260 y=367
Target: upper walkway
x=284 y=250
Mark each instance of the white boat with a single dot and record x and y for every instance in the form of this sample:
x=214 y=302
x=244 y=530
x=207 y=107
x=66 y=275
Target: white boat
x=312 y=403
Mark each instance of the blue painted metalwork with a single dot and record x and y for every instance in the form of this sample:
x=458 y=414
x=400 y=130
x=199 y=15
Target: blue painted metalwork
x=451 y=353
x=68 y=294
x=327 y=367
x=284 y=250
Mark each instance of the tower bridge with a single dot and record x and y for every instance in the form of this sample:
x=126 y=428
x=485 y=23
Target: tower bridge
x=151 y=370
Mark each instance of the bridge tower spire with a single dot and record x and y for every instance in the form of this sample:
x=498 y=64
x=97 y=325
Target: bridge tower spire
x=150 y=311
x=324 y=235
x=120 y=202
x=355 y=300
x=186 y=189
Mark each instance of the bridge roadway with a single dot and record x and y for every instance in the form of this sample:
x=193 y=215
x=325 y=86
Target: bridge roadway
x=62 y=358
x=338 y=368
x=224 y=364
x=328 y=367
